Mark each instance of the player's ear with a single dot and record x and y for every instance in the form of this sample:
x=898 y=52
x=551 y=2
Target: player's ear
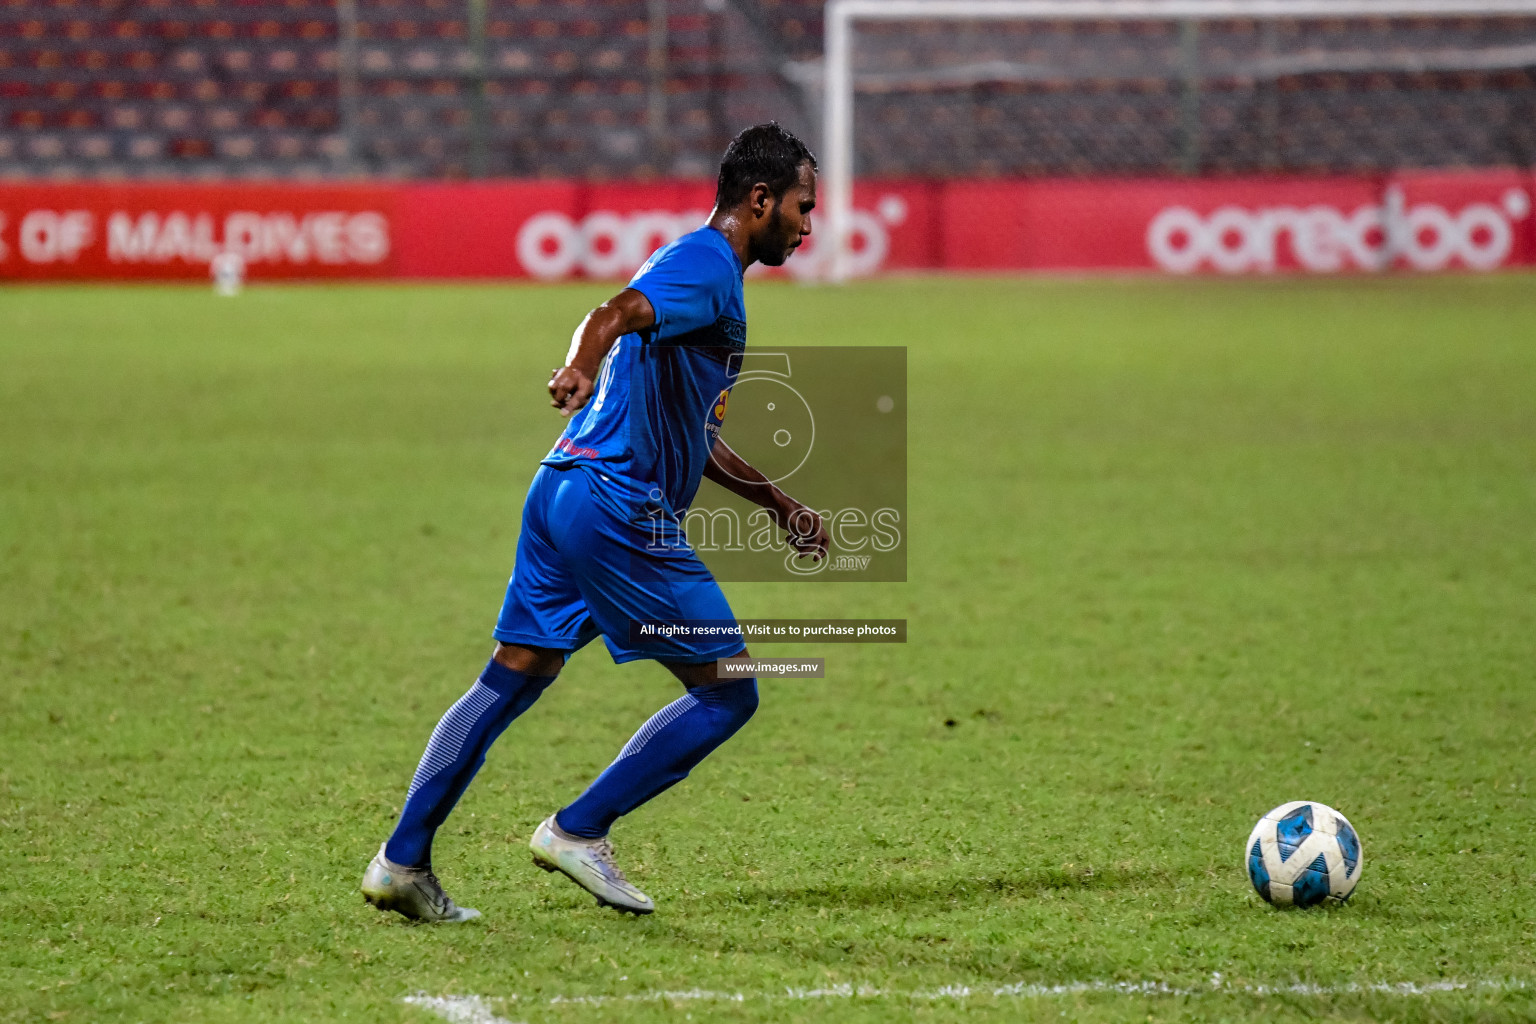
x=760 y=199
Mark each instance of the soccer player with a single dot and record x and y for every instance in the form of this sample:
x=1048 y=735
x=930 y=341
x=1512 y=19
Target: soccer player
x=645 y=386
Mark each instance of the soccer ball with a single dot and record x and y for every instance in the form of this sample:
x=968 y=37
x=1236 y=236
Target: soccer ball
x=1303 y=853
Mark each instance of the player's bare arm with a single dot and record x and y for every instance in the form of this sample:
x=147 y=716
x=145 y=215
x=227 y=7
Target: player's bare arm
x=625 y=313
x=807 y=534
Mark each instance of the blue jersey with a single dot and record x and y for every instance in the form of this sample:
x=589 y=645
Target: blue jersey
x=662 y=393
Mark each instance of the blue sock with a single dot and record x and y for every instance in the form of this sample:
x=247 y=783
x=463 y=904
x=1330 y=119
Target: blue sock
x=661 y=754
x=455 y=753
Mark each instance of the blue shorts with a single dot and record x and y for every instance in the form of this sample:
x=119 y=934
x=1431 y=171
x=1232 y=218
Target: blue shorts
x=585 y=569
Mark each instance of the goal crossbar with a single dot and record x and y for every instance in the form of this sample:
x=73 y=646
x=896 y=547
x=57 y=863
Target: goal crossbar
x=838 y=96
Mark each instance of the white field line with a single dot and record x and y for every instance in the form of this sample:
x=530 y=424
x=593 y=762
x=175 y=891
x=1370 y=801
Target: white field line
x=458 y=1009
x=476 y=1010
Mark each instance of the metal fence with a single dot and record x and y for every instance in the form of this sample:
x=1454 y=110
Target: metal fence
x=610 y=89
x=397 y=88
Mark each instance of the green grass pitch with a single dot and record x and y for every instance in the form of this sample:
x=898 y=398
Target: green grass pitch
x=1180 y=551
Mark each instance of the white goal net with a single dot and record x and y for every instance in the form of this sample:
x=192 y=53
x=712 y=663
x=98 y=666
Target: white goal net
x=1074 y=88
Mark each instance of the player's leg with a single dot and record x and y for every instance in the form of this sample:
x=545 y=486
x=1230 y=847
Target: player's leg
x=541 y=622
x=665 y=749
x=508 y=686
x=400 y=877
x=625 y=580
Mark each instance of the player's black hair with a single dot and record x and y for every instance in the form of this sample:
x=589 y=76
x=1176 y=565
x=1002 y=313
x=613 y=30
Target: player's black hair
x=763 y=153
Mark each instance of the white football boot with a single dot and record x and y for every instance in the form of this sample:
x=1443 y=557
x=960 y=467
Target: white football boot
x=589 y=863
x=414 y=892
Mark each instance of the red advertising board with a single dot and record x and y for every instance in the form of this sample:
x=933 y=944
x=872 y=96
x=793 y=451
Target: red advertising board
x=560 y=230
x=174 y=231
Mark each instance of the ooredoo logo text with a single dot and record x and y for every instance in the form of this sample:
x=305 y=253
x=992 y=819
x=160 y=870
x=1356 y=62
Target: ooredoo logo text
x=606 y=244
x=1324 y=239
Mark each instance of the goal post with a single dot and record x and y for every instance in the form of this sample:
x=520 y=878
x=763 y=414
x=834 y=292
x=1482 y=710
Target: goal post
x=1384 y=42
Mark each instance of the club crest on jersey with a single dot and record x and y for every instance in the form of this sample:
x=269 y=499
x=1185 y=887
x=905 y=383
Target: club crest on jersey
x=716 y=415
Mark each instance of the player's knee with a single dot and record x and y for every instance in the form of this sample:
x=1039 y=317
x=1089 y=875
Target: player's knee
x=531 y=661
x=740 y=700
x=749 y=706
x=729 y=703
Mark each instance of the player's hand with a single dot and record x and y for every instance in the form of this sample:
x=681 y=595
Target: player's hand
x=569 y=389
x=806 y=533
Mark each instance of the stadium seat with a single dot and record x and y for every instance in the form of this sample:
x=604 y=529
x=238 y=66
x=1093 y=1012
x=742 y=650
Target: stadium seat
x=174 y=86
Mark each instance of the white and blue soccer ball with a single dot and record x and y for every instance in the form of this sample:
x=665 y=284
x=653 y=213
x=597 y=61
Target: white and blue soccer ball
x=1304 y=853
